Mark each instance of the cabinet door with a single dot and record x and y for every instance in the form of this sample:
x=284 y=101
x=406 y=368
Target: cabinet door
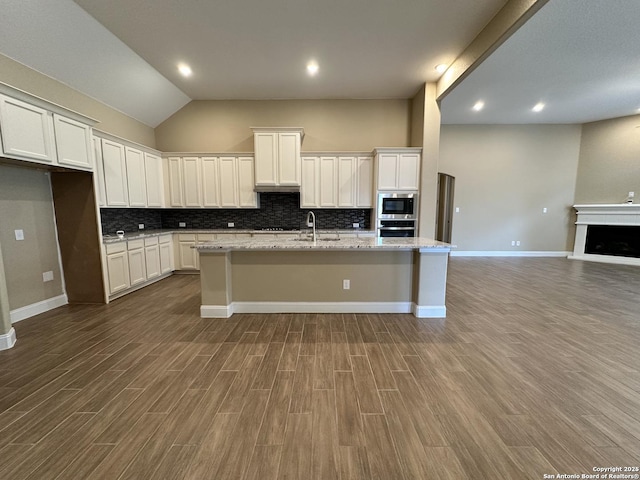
x=364 y=179
x=187 y=256
x=115 y=174
x=175 y=182
x=137 y=270
x=98 y=172
x=26 y=131
x=152 y=261
x=310 y=183
x=388 y=171
x=228 y=182
x=166 y=257
x=210 y=182
x=346 y=182
x=136 y=183
x=73 y=142
x=328 y=182
x=154 y=182
x=191 y=181
x=266 y=153
x=118 y=272
x=289 y=158
x=409 y=171
x=247 y=197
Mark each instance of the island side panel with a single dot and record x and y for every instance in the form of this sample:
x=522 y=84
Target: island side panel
x=317 y=276
x=430 y=283
x=216 y=285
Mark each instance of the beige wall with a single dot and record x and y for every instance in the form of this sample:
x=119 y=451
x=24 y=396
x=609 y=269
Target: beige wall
x=329 y=125
x=111 y=121
x=505 y=176
x=26 y=203
x=609 y=165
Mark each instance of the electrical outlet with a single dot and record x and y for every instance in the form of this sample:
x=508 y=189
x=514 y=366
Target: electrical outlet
x=231 y=224
x=517 y=243
x=19 y=234
x=182 y=224
x=141 y=226
x=513 y=243
x=457 y=209
x=356 y=225
x=544 y=210
x=346 y=284
x=47 y=276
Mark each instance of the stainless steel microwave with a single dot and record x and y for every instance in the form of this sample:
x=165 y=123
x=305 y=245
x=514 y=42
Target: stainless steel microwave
x=397 y=206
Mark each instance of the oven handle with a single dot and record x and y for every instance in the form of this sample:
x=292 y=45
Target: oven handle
x=396 y=228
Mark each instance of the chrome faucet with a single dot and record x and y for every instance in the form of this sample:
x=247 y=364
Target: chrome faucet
x=311 y=222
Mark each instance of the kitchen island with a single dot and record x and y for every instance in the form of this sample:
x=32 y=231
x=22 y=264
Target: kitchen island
x=326 y=275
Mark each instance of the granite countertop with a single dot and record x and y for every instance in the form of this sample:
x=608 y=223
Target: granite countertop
x=324 y=242
x=113 y=238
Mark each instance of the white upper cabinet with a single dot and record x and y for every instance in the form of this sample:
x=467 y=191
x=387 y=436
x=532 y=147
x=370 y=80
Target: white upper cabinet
x=115 y=173
x=210 y=182
x=27 y=132
x=73 y=142
x=364 y=182
x=35 y=130
x=336 y=181
x=398 y=169
x=136 y=182
x=154 y=180
x=175 y=182
x=247 y=197
x=99 y=171
x=277 y=156
x=133 y=177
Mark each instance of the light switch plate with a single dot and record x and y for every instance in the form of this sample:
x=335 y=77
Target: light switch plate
x=19 y=234
x=47 y=276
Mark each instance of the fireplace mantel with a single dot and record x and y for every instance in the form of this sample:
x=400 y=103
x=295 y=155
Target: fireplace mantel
x=627 y=214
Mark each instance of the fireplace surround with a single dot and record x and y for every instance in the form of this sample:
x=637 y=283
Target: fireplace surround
x=608 y=233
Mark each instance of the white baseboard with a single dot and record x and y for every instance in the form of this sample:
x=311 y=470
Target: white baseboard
x=8 y=340
x=606 y=259
x=507 y=253
x=38 y=308
x=223 y=311
x=430 y=311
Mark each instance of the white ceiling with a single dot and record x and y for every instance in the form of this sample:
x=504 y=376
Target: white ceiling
x=238 y=49
x=580 y=57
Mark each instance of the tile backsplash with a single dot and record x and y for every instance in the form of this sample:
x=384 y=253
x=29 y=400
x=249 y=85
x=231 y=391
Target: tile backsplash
x=277 y=210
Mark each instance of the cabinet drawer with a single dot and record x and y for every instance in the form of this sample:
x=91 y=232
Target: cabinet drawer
x=164 y=238
x=115 y=247
x=187 y=237
x=206 y=237
x=135 y=244
x=150 y=241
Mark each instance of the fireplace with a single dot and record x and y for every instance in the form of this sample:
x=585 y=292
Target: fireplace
x=617 y=240
x=608 y=233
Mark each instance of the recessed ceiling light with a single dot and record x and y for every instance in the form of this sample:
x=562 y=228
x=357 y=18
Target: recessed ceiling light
x=441 y=68
x=538 y=107
x=185 y=70
x=312 y=68
x=479 y=105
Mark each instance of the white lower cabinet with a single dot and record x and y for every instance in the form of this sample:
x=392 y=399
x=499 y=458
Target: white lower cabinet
x=137 y=262
x=186 y=255
x=152 y=257
x=166 y=253
x=137 y=267
x=117 y=267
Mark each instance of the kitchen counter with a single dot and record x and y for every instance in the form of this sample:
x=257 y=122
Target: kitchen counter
x=349 y=275
x=113 y=238
x=325 y=241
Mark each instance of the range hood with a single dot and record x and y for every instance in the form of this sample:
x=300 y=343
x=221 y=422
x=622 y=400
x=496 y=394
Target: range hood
x=277 y=188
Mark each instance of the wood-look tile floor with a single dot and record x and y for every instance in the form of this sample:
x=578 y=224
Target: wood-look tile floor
x=535 y=371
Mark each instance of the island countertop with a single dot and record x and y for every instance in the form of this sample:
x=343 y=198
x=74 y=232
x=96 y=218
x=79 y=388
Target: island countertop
x=324 y=242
